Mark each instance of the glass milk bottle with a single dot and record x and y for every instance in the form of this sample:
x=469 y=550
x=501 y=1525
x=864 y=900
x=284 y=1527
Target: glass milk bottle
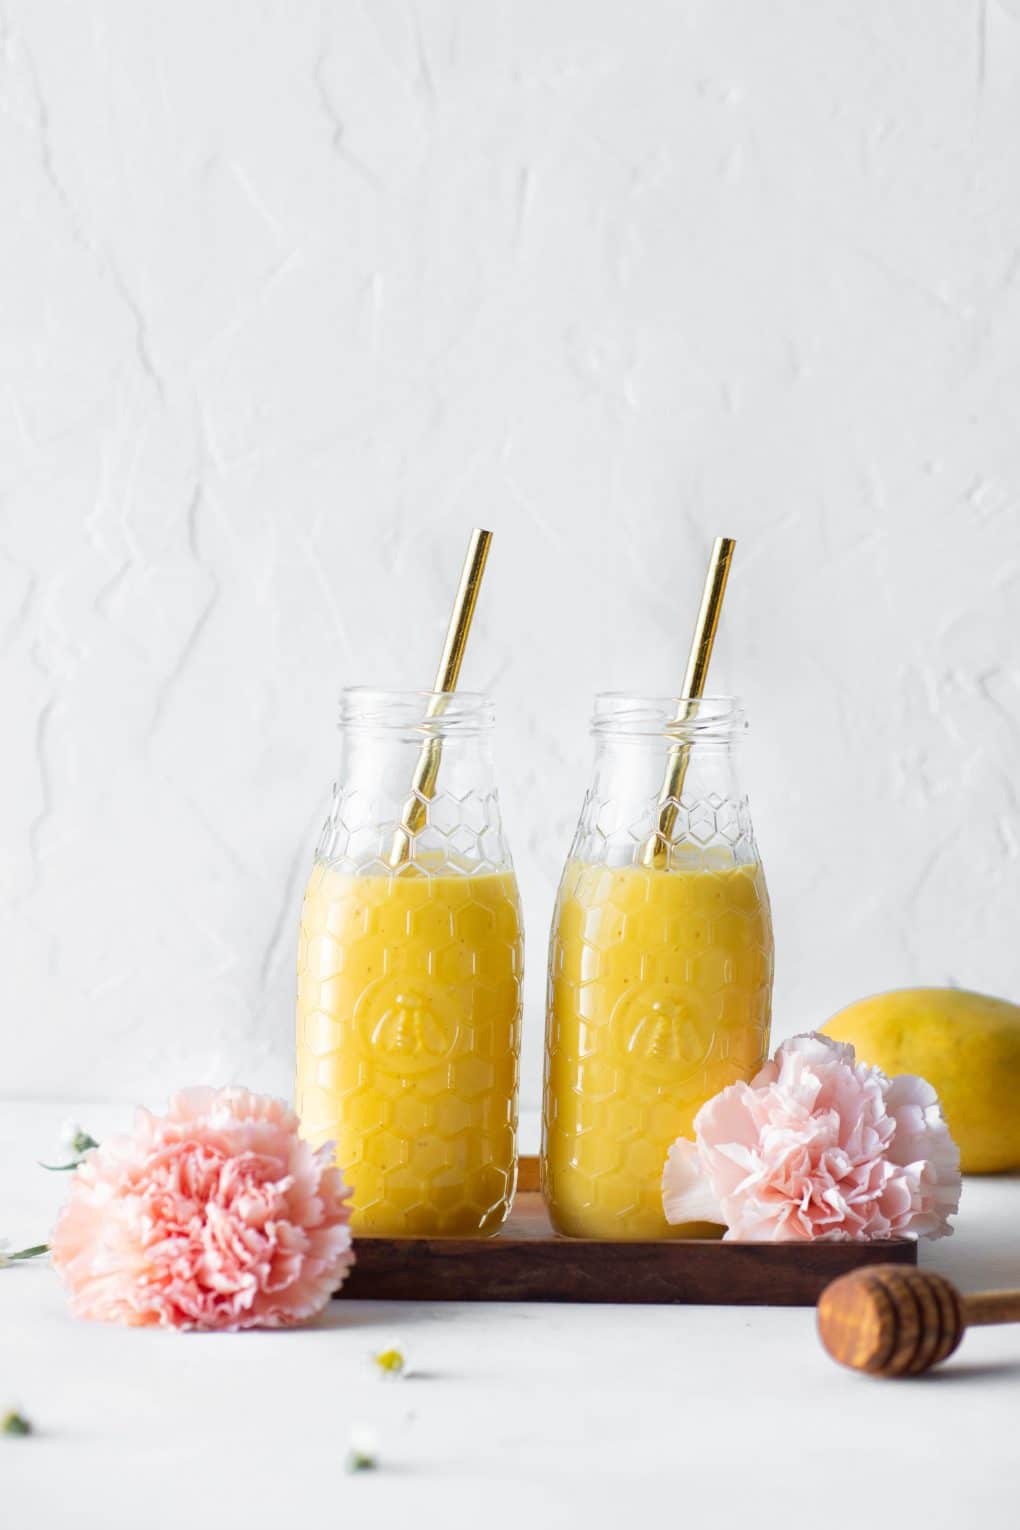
x=409 y=973
x=660 y=967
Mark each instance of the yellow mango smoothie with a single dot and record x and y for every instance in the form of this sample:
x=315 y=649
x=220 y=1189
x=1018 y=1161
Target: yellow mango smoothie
x=659 y=995
x=408 y=1039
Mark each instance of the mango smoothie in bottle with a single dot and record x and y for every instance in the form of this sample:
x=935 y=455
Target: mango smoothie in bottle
x=660 y=975
x=409 y=974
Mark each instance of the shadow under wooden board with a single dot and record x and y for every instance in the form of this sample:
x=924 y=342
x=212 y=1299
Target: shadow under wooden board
x=528 y=1262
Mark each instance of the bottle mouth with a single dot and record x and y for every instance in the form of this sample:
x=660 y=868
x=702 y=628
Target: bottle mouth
x=690 y=719
x=428 y=713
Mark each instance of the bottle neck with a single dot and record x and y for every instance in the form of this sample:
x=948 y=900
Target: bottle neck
x=382 y=766
x=681 y=781
x=387 y=740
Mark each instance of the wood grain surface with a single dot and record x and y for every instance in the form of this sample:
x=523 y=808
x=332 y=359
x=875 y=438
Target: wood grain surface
x=528 y=1261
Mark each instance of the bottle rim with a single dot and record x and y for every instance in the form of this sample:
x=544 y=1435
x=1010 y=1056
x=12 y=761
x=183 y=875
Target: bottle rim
x=429 y=713
x=691 y=719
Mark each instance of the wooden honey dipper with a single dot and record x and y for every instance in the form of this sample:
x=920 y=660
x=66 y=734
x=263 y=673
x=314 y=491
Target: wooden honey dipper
x=891 y=1320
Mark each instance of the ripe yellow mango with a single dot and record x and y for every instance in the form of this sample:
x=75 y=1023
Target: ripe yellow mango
x=967 y=1045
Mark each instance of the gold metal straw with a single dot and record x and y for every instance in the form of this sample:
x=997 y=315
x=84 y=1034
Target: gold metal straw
x=655 y=850
x=423 y=782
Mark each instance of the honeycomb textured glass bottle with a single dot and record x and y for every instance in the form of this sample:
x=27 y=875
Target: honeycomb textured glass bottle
x=409 y=976
x=660 y=968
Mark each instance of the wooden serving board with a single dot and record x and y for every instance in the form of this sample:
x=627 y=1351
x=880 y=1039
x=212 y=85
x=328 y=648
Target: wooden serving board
x=528 y=1262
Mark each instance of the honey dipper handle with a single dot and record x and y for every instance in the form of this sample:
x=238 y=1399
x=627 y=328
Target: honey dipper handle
x=991 y=1307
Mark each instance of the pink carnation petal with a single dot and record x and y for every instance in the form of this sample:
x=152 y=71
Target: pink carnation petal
x=819 y=1146
x=687 y=1194
x=215 y=1215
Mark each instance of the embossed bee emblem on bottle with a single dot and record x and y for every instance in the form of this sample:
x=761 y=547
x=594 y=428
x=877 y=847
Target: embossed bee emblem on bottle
x=660 y=1036
x=402 y=1030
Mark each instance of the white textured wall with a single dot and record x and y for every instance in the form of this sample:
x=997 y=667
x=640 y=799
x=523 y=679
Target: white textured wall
x=292 y=294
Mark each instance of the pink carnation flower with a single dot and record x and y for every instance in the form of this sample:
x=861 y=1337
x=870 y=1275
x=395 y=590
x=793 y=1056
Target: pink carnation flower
x=818 y=1145
x=216 y=1215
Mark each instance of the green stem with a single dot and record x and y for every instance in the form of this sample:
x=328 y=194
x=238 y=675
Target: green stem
x=29 y=1253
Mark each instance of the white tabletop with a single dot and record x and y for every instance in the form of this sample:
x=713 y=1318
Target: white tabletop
x=523 y=1414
